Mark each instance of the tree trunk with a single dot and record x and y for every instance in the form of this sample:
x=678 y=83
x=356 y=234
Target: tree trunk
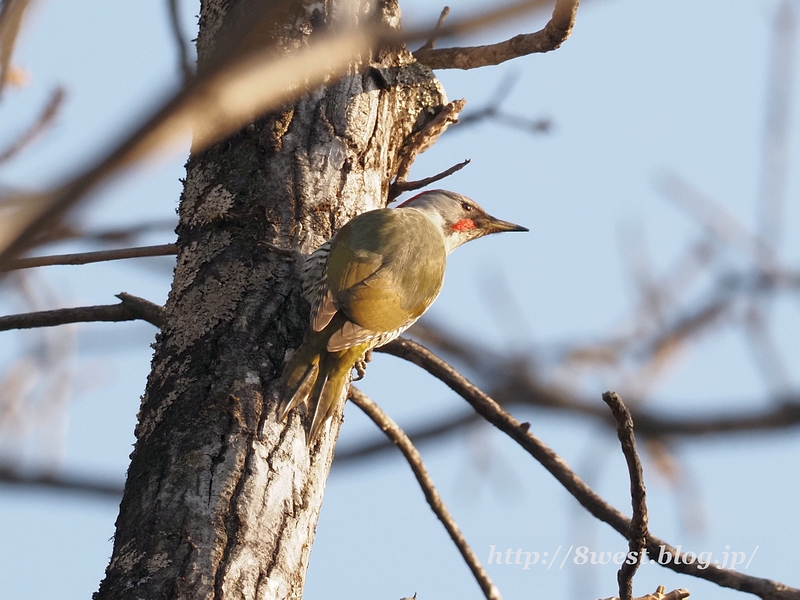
x=221 y=500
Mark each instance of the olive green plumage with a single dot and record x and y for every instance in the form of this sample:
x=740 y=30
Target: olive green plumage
x=368 y=284
x=380 y=279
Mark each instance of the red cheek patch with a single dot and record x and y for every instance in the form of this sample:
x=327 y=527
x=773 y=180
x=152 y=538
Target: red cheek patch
x=463 y=225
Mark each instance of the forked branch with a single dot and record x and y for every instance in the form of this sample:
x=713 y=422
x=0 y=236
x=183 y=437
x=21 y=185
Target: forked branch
x=400 y=439
x=131 y=308
x=637 y=535
x=596 y=506
x=555 y=33
x=247 y=83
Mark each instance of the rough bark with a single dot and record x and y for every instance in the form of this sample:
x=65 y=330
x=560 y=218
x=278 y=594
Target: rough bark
x=221 y=501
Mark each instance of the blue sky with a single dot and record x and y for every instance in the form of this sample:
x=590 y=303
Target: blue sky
x=641 y=90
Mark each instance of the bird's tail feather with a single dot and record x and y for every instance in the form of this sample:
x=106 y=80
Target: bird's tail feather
x=318 y=381
x=329 y=392
x=299 y=384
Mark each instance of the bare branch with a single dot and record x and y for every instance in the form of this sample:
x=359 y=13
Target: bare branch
x=400 y=187
x=637 y=535
x=83 y=258
x=600 y=509
x=555 y=33
x=537 y=126
x=492 y=111
x=400 y=439
x=765 y=352
x=712 y=215
x=36 y=128
x=64 y=483
x=649 y=424
x=431 y=43
x=131 y=308
x=513 y=384
x=420 y=435
x=242 y=86
x=184 y=54
x=420 y=141
x=776 y=150
x=11 y=17
x=662 y=594
x=127 y=234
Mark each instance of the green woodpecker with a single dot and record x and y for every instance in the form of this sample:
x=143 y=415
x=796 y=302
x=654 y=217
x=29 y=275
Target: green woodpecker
x=369 y=283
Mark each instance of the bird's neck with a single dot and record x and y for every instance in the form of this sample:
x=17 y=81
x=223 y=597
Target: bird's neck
x=450 y=238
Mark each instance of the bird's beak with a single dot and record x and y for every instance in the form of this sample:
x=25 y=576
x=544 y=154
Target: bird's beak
x=496 y=226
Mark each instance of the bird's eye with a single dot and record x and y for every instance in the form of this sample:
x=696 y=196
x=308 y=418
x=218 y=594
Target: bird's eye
x=466 y=206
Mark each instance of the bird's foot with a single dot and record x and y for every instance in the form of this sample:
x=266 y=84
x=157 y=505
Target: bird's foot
x=361 y=365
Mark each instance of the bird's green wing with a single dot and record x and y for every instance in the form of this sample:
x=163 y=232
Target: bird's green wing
x=384 y=269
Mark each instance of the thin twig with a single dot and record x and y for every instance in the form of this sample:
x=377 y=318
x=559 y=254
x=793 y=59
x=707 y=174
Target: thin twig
x=662 y=594
x=121 y=235
x=555 y=33
x=36 y=128
x=512 y=383
x=83 y=258
x=419 y=436
x=131 y=308
x=400 y=187
x=519 y=432
x=637 y=534
x=649 y=424
x=61 y=482
x=491 y=111
x=11 y=17
x=182 y=45
x=230 y=94
x=714 y=216
x=431 y=43
x=400 y=439
x=777 y=136
x=765 y=351
x=423 y=139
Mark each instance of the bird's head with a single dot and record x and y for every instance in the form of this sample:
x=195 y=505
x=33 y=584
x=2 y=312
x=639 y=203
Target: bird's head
x=460 y=218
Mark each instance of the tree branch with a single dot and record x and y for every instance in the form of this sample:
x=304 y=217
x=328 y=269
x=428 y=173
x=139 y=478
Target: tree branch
x=519 y=432
x=637 y=534
x=426 y=137
x=662 y=594
x=420 y=435
x=243 y=85
x=783 y=416
x=131 y=308
x=555 y=33
x=11 y=15
x=512 y=383
x=36 y=128
x=83 y=258
x=400 y=187
x=429 y=45
x=492 y=111
x=184 y=53
x=400 y=439
x=61 y=482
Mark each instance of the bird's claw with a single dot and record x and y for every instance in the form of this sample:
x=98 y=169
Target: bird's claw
x=361 y=365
